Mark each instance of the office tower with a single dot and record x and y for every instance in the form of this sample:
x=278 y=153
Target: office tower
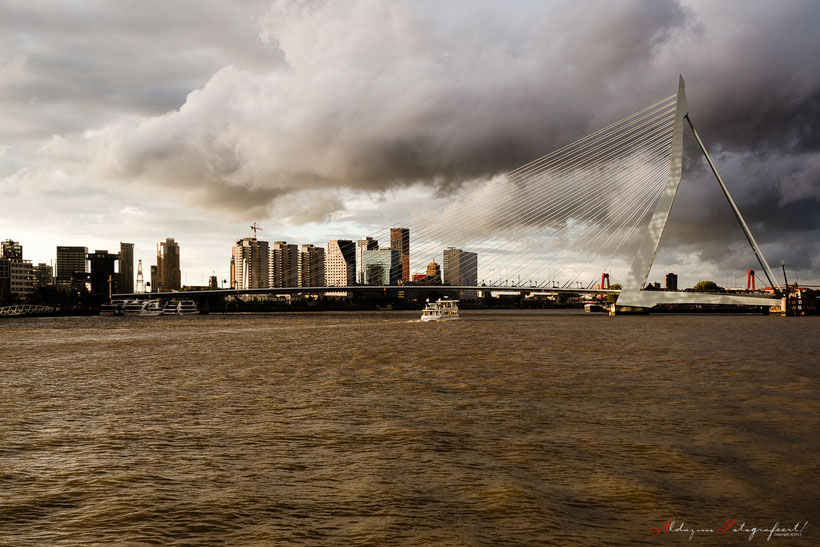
x=460 y=267
x=671 y=282
x=18 y=273
x=433 y=274
x=283 y=268
x=340 y=263
x=11 y=250
x=21 y=278
x=311 y=266
x=382 y=267
x=213 y=282
x=102 y=270
x=249 y=264
x=70 y=260
x=43 y=275
x=169 y=277
x=154 y=279
x=400 y=241
x=125 y=277
x=366 y=244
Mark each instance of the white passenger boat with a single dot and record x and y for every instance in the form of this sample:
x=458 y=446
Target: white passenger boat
x=151 y=308
x=187 y=307
x=134 y=307
x=442 y=309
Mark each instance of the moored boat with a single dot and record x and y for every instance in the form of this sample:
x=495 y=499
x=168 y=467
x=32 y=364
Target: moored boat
x=134 y=307
x=187 y=307
x=151 y=308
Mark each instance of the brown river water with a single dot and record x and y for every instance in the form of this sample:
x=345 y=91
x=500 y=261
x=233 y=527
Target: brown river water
x=516 y=427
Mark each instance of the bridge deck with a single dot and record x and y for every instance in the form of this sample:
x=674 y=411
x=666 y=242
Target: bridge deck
x=645 y=298
x=361 y=289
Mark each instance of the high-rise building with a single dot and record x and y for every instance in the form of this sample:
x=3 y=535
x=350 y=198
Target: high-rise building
x=460 y=267
x=366 y=244
x=11 y=250
x=43 y=275
x=249 y=264
x=69 y=261
x=21 y=278
x=17 y=275
x=382 y=267
x=283 y=266
x=169 y=277
x=125 y=277
x=311 y=266
x=213 y=282
x=102 y=272
x=433 y=276
x=154 y=279
x=671 y=282
x=340 y=263
x=400 y=241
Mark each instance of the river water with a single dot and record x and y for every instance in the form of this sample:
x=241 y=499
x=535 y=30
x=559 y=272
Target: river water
x=513 y=427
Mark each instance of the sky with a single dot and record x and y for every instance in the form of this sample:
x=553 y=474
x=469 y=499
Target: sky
x=135 y=121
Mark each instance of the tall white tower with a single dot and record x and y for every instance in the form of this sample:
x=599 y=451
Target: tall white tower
x=140 y=279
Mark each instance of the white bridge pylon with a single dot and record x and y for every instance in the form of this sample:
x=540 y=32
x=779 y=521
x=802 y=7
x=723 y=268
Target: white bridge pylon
x=632 y=294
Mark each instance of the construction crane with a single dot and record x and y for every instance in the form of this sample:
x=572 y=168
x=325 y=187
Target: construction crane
x=254 y=227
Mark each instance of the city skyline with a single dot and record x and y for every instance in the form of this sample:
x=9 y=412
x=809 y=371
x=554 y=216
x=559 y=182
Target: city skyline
x=294 y=268
x=198 y=139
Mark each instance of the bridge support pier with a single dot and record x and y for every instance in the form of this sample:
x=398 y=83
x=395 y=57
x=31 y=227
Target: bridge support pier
x=796 y=304
x=627 y=310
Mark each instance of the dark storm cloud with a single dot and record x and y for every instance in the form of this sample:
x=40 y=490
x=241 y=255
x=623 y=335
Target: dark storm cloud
x=778 y=192
x=376 y=94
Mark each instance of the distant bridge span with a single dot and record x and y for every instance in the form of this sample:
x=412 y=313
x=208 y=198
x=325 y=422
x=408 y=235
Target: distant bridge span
x=662 y=297
x=361 y=289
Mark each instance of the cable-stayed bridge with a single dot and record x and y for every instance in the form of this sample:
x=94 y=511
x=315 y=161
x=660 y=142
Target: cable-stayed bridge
x=562 y=219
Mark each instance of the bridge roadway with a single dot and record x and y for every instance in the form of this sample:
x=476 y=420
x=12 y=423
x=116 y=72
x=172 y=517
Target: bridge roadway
x=636 y=299
x=357 y=289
